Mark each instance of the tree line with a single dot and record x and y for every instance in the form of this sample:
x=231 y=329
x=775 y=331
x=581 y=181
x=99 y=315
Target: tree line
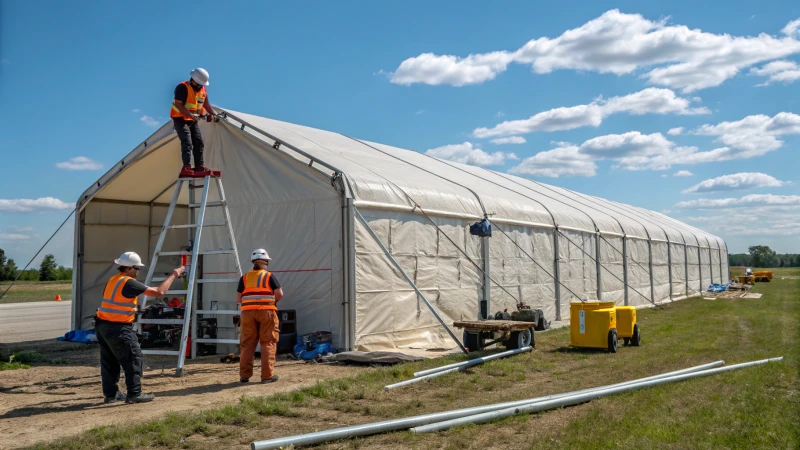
x=763 y=256
x=48 y=270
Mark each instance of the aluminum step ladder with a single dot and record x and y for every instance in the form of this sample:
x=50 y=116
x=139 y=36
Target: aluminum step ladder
x=195 y=229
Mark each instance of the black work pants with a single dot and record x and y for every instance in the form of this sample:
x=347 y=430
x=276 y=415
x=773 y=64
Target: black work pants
x=119 y=348
x=191 y=141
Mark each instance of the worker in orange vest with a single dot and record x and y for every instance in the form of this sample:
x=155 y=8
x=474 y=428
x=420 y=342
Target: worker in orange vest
x=189 y=103
x=114 y=329
x=258 y=294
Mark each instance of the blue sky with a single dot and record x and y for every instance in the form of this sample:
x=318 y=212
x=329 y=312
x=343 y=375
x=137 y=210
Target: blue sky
x=592 y=89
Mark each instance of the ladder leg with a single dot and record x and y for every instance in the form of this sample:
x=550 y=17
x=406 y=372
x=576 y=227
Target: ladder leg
x=188 y=312
x=150 y=270
x=231 y=237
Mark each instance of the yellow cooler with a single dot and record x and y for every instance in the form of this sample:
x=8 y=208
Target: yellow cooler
x=627 y=328
x=593 y=325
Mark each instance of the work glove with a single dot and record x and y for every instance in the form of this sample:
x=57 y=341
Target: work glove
x=237 y=320
x=210 y=118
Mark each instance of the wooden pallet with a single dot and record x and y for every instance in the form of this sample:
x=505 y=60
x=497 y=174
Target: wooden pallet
x=493 y=325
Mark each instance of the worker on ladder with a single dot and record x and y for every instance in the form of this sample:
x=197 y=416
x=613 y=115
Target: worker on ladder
x=258 y=294
x=114 y=329
x=190 y=101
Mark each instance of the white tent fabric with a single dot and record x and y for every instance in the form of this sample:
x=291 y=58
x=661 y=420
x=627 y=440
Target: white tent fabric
x=294 y=190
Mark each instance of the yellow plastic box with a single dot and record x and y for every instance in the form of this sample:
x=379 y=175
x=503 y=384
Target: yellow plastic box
x=593 y=325
x=627 y=328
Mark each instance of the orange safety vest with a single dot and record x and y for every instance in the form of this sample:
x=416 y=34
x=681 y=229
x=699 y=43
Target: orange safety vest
x=194 y=102
x=115 y=307
x=257 y=294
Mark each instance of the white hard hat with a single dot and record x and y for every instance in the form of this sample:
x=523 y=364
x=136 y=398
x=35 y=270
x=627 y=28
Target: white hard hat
x=130 y=259
x=200 y=76
x=259 y=254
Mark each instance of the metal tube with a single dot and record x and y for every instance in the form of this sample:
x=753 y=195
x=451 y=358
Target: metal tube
x=407 y=278
x=578 y=398
x=455 y=368
x=413 y=421
x=464 y=363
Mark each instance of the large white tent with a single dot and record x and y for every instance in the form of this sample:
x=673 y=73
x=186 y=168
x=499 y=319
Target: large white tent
x=297 y=191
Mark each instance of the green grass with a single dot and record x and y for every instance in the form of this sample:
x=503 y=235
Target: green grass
x=13 y=366
x=756 y=407
x=35 y=291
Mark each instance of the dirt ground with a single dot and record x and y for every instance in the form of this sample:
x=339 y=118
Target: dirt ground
x=62 y=396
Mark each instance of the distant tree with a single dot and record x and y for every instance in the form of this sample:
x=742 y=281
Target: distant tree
x=29 y=275
x=763 y=256
x=48 y=271
x=10 y=270
x=64 y=274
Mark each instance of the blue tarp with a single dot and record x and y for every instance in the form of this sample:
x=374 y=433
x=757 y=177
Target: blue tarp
x=718 y=287
x=87 y=337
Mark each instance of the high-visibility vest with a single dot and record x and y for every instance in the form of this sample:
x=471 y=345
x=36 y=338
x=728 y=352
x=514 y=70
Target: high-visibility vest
x=194 y=101
x=115 y=307
x=257 y=294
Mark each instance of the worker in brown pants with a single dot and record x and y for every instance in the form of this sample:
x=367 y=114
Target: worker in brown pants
x=258 y=294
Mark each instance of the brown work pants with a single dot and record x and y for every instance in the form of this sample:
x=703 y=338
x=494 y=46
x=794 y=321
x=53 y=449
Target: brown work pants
x=258 y=326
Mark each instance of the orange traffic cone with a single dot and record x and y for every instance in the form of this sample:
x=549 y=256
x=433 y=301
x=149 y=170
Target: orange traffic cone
x=58 y=298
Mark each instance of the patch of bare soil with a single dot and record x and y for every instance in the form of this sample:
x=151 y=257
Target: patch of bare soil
x=47 y=402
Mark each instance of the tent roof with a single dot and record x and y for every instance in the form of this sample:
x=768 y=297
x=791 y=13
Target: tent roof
x=387 y=177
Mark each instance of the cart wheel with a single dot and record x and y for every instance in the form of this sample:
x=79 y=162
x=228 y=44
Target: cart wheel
x=473 y=341
x=533 y=338
x=519 y=339
x=627 y=341
x=612 y=340
x=636 y=340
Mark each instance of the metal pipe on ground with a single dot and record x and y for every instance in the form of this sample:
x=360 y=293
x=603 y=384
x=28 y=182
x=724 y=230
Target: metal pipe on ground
x=413 y=421
x=433 y=373
x=577 y=398
x=462 y=363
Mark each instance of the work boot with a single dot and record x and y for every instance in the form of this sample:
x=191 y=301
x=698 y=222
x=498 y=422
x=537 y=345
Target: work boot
x=270 y=380
x=186 y=171
x=116 y=398
x=141 y=398
x=202 y=171
x=244 y=380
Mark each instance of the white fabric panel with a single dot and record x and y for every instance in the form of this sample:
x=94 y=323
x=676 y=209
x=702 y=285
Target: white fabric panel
x=716 y=274
x=639 y=275
x=693 y=256
x=677 y=252
x=726 y=274
x=577 y=271
x=660 y=270
x=612 y=273
x=705 y=270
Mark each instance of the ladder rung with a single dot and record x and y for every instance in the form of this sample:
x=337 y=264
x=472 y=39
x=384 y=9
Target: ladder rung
x=194 y=225
x=222 y=312
x=177 y=292
x=209 y=252
x=197 y=205
x=220 y=280
x=216 y=341
x=161 y=321
x=161 y=352
x=157 y=279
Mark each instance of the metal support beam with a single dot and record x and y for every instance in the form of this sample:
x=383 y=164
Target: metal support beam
x=597 y=266
x=650 y=267
x=625 y=267
x=408 y=279
x=669 y=266
x=487 y=282
x=556 y=274
x=686 y=266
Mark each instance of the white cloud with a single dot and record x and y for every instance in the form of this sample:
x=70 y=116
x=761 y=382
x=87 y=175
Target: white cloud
x=509 y=140
x=559 y=162
x=466 y=153
x=150 y=121
x=755 y=221
x=500 y=114
x=25 y=205
x=683 y=173
x=13 y=237
x=80 y=163
x=664 y=176
x=633 y=143
x=736 y=181
x=452 y=70
x=421 y=111
x=752 y=200
x=675 y=131
x=754 y=135
x=791 y=28
x=781 y=71
x=647 y=101
x=135 y=110
x=618 y=43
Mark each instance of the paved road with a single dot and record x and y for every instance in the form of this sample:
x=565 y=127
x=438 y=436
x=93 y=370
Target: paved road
x=23 y=322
